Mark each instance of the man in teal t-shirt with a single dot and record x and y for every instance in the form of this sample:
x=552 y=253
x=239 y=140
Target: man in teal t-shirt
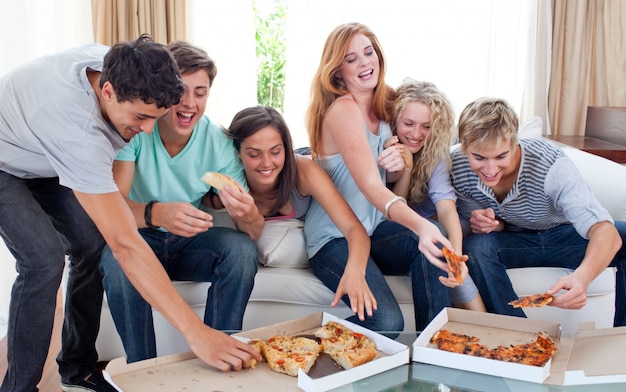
x=159 y=174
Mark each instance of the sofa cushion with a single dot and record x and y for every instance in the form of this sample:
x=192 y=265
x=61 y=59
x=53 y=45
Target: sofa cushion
x=286 y=285
x=605 y=177
x=282 y=244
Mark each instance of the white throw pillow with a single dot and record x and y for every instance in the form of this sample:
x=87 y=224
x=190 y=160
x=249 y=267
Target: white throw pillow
x=530 y=128
x=282 y=244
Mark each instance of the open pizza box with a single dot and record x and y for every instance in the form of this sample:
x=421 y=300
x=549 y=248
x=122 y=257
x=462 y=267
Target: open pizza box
x=588 y=357
x=186 y=372
x=325 y=374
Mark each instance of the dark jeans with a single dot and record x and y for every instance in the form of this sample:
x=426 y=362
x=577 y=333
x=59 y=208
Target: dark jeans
x=394 y=252
x=491 y=254
x=227 y=258
x=41 y=221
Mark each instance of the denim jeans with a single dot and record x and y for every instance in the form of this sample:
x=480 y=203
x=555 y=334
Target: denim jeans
x=394 y=252
x=41 y=221
x=490 y=255
x=227 y=258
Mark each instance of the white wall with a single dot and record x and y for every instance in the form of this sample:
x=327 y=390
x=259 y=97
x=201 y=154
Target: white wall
x=468 y=49
x=225 y=29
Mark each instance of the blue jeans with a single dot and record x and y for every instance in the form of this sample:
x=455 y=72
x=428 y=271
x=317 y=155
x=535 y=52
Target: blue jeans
x=227 y=258
x=41 y=221
x=394 y=252
x=490 y=255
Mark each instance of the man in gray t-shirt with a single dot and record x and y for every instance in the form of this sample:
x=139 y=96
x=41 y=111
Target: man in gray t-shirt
x=64 y=117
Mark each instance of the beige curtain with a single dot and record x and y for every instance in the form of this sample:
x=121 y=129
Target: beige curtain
x=588 y=61
x=119 y=20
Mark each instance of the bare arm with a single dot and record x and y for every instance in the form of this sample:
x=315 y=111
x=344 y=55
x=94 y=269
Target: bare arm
x=449 y=219
x=241 y=207
x=180 y=218
x=313 y=180
x=116 y=222
x=343 y=129
x=604 y=243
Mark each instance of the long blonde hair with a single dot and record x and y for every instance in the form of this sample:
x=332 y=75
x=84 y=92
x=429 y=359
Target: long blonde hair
x=327 y=87
x=437 y=144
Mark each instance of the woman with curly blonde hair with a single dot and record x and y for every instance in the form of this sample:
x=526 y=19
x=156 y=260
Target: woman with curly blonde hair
x=423 y=128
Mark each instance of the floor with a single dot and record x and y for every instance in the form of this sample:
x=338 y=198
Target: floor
x=50 y=381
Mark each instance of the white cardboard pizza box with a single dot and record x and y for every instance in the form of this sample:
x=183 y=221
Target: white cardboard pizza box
x=588 y=357
x=186 y=372
x=391 y=354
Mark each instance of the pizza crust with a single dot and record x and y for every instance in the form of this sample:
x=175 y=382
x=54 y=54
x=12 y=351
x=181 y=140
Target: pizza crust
x=219 y=180
x=536 y=353
x=532 y=301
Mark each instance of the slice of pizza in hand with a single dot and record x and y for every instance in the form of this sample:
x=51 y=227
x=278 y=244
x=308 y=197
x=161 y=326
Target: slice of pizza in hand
x=532 y=301
x=219 y=181
x=454 y=264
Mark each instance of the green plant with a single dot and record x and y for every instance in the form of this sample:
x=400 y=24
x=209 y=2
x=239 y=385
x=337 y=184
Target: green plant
x=271 y=54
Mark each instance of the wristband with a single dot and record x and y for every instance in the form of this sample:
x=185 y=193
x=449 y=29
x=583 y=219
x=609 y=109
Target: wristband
x=147 y=214
x=390 y=202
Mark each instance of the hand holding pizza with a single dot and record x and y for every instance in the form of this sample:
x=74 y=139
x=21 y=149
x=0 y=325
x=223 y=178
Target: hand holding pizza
x=457 y=269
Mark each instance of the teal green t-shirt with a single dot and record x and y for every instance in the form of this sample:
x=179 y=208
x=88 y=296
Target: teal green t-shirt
x=161 y=177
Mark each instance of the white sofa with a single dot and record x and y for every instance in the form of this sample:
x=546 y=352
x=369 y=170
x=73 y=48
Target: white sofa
x=281 y=293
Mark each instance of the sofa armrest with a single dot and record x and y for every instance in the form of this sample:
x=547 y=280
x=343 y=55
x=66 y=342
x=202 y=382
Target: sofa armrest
x=606 y=178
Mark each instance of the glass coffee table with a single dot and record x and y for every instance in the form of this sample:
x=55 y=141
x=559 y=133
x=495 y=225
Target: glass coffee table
x=190 y=374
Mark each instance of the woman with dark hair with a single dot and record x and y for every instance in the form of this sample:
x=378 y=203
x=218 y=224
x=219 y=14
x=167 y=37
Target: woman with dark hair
x=284 y=185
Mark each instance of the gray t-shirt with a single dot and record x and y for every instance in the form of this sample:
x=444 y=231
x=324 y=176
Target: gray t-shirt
x=51 y=124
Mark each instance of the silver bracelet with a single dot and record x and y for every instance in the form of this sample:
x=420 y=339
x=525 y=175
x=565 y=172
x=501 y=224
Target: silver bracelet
x=390 y=202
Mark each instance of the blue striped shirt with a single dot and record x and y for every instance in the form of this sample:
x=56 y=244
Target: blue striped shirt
x=549 y=191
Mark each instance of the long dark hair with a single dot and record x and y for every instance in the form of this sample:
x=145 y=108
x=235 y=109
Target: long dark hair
x=249 y=121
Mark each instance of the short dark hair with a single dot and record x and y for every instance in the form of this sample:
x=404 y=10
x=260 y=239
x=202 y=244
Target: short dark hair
x=143 y=69
x=249 y=121
x=192 y=58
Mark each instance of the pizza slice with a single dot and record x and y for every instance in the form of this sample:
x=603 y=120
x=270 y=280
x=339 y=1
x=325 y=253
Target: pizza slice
x=467 y=348
x=346 y=347
x=258 y=345
x=532 y=301
x=454 y=264
x=536 y=353
x=219 y=180
x=446 y=335
x=287 y=354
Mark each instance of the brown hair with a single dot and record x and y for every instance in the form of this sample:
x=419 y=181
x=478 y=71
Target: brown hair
x=327 y=87
x=192 y=58
x=249 y=121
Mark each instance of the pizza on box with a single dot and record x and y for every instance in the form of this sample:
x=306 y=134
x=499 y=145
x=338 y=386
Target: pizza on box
x=536 y=353
x=287 y=354
x=347 y=348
